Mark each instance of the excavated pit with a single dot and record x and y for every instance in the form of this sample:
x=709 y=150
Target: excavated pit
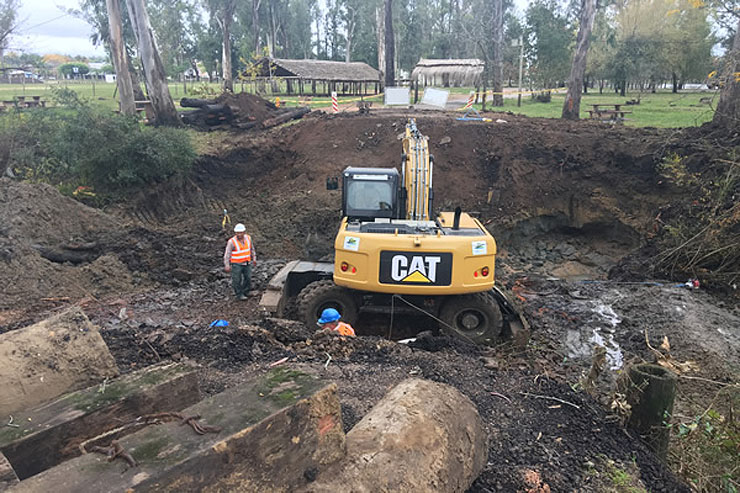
x=566 y=202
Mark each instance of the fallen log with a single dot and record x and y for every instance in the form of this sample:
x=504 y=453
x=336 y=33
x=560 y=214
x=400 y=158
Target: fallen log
x=422 y=436
x=196 y=103
x=57 y=355
x=286 y=117
x=57 y=431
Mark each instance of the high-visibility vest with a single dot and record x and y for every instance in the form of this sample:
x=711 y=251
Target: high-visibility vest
x=344 y=329
x=241 y=253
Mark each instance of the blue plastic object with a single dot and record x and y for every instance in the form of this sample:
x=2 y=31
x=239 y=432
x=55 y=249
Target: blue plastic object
x=329 y=315
x=219 y=323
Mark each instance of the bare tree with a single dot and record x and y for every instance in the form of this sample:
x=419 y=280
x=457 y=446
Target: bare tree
x=572 y=105
x=120 y=60
x=8 y=21
x=256 y=25
x=390 y=58
x=728 y=108
x=498 y=52
x=351 y=23
x=156 y=80
x=380 y=33
x=225 y=17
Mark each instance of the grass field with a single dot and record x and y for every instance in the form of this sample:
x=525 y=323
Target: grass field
x=662 y=109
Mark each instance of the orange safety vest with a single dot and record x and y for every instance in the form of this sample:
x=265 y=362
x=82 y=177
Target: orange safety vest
x=241 y=253
x=344 y=329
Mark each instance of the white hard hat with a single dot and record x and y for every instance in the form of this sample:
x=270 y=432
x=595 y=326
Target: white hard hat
x=239 y=228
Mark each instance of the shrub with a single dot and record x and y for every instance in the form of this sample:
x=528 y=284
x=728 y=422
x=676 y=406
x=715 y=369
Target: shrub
x=79 y=144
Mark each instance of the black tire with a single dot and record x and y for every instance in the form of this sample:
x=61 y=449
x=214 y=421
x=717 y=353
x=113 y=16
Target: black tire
x=473 y=318
x=319 y=295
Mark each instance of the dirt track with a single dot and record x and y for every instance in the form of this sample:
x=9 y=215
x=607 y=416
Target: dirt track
x=569 y=201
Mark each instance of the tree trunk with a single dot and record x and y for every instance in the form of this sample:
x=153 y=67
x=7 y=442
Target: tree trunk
x=256 y=26
x=156 y=80
x=380 y=33
x=572 y=105
x=674 y=81
x=623 y=88
x=228 y=17
x=498 y=53
x=120 y=61
x=390 y=57
x=728 y=108
x=350 y=34
x=135 y=81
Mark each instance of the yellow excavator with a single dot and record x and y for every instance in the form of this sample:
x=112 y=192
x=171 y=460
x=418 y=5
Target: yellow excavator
x=392 y=255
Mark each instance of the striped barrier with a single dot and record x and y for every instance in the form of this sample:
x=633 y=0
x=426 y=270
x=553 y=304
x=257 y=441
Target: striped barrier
x=334 y=103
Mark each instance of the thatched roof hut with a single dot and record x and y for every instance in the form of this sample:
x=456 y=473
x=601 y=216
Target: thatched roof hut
x=463 y=72
x=318 y=70
x=344 y=78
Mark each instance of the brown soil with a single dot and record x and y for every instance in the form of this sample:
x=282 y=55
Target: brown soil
x=569 y=202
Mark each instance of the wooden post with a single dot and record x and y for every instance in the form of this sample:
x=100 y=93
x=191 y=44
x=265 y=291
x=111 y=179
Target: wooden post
x=651 y=392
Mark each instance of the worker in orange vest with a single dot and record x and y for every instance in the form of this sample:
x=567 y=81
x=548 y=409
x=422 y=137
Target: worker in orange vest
x=330 y=321
x=239 y=258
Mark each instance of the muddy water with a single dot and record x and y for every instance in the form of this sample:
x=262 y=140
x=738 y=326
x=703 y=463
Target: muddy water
x=599 y=325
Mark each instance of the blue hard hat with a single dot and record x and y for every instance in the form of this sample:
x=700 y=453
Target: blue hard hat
x=329 y=315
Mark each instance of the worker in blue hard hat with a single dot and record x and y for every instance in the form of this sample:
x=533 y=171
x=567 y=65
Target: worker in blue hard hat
x=331 y=320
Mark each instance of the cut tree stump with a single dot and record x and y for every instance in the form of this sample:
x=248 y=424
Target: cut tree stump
x=276 y=431
x=57 y=355
x=54 y=431
x=422 y=436
x=651 y=392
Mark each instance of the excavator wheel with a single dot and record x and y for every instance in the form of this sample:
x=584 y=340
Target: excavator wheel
x=473 y=317
x=320 y=295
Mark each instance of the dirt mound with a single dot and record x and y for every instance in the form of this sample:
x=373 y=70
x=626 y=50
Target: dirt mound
x=248 y=107
x=49 y=249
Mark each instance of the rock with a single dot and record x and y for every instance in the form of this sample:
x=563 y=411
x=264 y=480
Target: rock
x=422 y=436
x=445 y=140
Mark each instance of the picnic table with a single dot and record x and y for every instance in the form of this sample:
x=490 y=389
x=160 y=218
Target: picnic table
x=22 y=102
x=608 y=112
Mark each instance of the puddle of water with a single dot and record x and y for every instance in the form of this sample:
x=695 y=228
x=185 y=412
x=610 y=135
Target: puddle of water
x=598 y=330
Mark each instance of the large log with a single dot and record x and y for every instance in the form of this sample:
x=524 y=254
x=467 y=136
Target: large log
x=53 y=432
x=422 y=436
x=57 y=355
x=276 y=431
x=285 y=117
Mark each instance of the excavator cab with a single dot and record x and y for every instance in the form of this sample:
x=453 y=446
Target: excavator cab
x=369 y=193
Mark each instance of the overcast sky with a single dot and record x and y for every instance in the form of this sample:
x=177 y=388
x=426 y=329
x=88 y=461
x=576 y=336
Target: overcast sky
x=46 y=29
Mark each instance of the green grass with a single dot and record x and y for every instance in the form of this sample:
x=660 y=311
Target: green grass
x=662 y=109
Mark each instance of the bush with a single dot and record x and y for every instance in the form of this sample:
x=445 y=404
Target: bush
x=78 y=144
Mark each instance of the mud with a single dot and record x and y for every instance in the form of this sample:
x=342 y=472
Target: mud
x=569 y=204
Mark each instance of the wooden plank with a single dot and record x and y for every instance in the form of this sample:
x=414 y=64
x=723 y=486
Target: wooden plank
x=8 y=477
x=276 y=431
x=52 y=432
